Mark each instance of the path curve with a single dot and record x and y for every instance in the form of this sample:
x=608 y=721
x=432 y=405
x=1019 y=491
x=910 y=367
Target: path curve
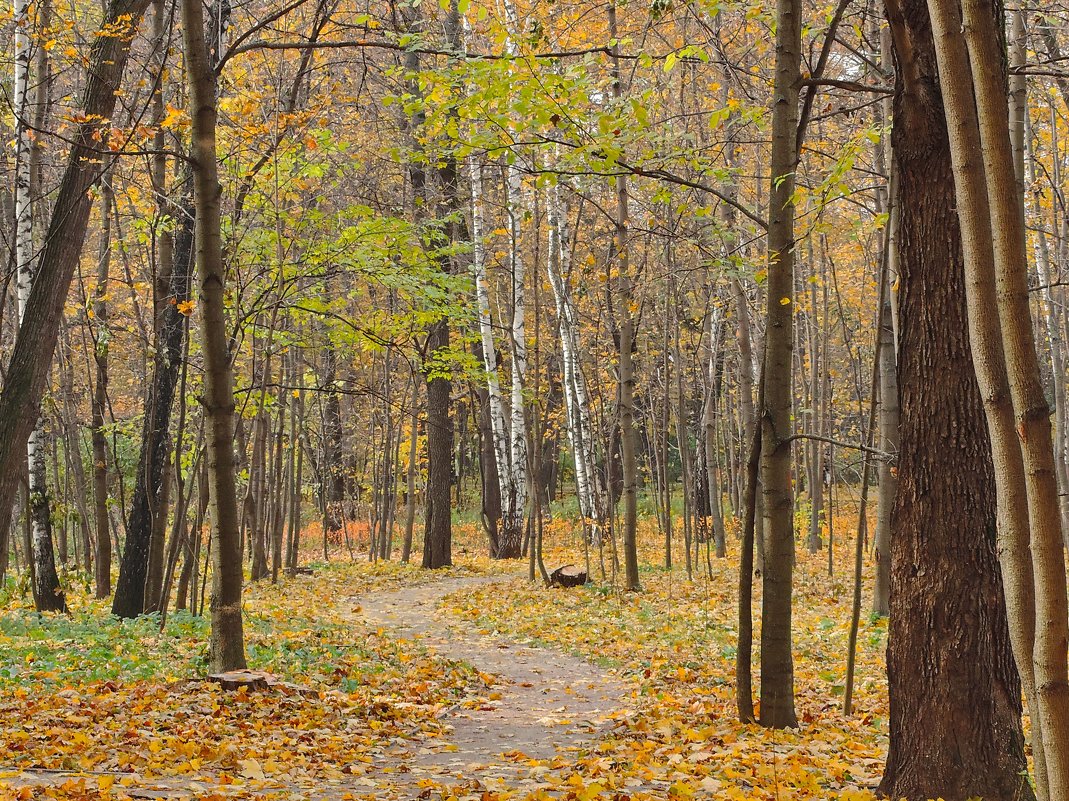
x=550 y=703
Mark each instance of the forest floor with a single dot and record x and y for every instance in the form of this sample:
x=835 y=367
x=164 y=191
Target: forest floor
x=468 y=683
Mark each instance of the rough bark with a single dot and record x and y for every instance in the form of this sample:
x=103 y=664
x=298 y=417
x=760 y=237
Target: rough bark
x=981 y=26
x=955 y=695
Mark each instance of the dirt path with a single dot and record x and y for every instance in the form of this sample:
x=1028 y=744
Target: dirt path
x=551 y=704
x=546 y=708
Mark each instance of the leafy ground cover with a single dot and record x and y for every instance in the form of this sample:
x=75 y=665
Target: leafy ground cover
x=675 y=644
x=117 y=704
x=122 y=701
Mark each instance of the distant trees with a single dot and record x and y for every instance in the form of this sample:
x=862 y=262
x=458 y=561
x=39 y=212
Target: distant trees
x=554 y=229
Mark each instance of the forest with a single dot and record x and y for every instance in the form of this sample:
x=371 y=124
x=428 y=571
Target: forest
x=494 y=400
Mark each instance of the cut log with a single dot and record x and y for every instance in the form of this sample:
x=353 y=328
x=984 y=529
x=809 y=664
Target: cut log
x=567 y=576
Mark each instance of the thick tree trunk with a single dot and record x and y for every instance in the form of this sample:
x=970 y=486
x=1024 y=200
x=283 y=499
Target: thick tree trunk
x=981 y=27
x=955 y=694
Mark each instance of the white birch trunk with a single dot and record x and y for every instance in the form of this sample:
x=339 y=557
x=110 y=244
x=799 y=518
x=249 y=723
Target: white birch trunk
x=516 y=503
x=576 y=404
x=45 y=580
x=498 y=423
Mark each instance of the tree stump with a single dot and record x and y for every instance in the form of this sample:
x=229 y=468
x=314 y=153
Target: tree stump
x=259 y=680
x=567 y=576
x=249 y=679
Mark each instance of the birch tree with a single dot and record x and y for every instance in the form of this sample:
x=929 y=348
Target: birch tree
x=498 y=423
x=47 y=593
x=515 y=487
x=576 y=398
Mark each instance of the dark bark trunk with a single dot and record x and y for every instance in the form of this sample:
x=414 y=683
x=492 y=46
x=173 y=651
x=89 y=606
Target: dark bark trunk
x=777 y=660
x=148 y=502
x=227 y=647
x=955 y=729
x=438 y=534
x=491 y=486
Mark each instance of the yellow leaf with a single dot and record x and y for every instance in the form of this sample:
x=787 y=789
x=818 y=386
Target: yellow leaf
x=784 y=301
x=176 y=118
x=251 y=769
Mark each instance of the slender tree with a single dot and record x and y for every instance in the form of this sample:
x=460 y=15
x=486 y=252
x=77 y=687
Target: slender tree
x=227 y=639
x=777 y=662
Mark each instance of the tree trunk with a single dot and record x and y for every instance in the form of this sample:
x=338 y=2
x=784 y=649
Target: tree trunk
x=410 y=483
x=47 y=593
x=100 y=398
x=438 y=531
x=889 y=411
x=227 y=639
x=955 y=696
x=148 y=504
x=333 y=473
x=498 y=427
x=777 y=662
x=515 y=500
x=888 y=469
x=576 y=400
x=626 y=367
x=981 y=25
